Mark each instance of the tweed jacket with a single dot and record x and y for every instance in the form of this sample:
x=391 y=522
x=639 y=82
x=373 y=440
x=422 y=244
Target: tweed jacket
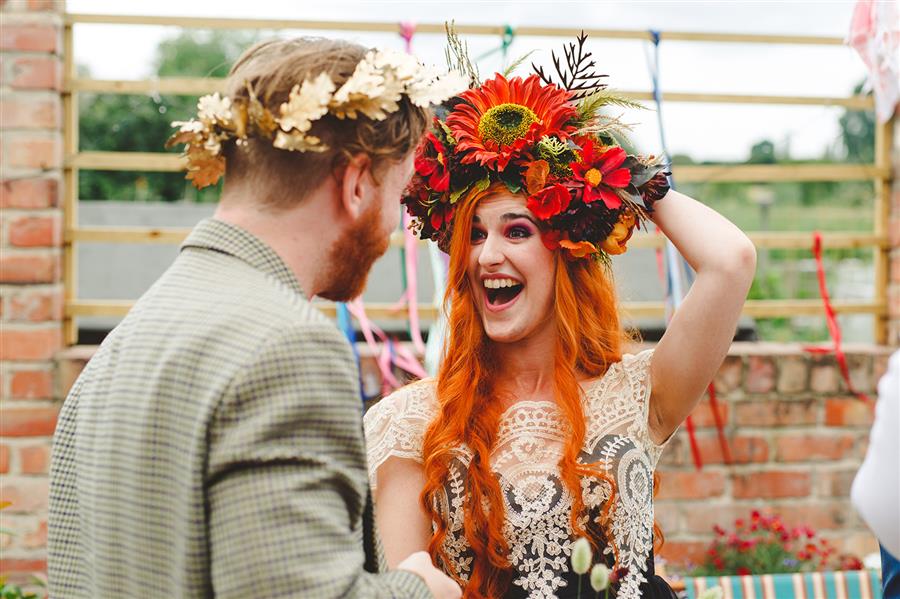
x=213 y=446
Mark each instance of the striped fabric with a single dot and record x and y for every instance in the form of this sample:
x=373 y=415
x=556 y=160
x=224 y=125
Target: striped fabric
x=855 y=584
x=213 y=446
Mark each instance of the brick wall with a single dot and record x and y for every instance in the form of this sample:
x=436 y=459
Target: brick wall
x=30 y=280
x=797 y=438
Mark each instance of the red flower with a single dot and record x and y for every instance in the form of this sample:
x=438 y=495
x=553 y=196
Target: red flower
x=600 y=173
x=497 y=121
x=549 y=201
x=743 y=571
x=431 y=162
x=441 y=214
x=551 y=239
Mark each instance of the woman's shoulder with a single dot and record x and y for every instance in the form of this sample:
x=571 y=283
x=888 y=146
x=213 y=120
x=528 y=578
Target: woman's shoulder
x=415 y=400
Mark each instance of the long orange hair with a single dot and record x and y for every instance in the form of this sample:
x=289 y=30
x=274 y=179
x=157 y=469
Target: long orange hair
x=590 y=338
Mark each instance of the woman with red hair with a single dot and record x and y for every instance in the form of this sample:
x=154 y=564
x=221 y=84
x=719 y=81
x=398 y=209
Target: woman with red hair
x=539 y=428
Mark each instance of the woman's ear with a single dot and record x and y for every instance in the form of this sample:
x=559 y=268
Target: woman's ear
x=356 y=185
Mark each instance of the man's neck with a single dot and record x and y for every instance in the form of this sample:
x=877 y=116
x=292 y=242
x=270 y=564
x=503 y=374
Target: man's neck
x=298 y=235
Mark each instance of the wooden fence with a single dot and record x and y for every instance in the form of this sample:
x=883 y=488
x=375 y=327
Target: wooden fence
x=879 y=172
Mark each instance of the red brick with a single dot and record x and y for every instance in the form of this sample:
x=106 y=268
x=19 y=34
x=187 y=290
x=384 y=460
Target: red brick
x=30 y=268
x=37 y=538
x=29 y=37
x=32 y=384
x=32 y=344
x=824 y=375
x=860 y=368
x=744 y=449
x=776 y=413
x=20 y=571
x=26 y=495
x=29 y=193
x=771 y=484
x=4 y=459
x=848 y=412
x=730 y=374
x=30 y=114
x=34 y=153
x=35 y=231
x=28 y=422
x=830 y=516
x=760 y=374
x=703 y=417
x=691 y=485
x=834 y=483
x=35 y=72
x=793 y=374
x=682 y=553
x=667 y=515
x=809 y=448
x=34 y=459
x=45 y=5
x=35 y=306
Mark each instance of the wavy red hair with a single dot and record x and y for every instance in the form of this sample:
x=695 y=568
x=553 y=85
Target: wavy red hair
x=590 y=338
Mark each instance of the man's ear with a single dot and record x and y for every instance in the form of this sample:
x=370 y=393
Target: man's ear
x=356 y=185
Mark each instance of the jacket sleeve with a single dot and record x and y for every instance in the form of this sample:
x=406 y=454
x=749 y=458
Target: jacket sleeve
x=286 y=481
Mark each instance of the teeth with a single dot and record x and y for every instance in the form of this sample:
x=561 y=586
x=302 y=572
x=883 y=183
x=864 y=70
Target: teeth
x=499 y=283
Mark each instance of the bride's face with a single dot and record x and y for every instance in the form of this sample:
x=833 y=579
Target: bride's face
x=510 y=270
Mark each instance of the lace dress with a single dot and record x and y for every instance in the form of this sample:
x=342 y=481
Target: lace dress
x=528 y=448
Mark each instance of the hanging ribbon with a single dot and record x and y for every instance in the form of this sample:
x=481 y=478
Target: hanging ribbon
x=506 y=41
x=678 y=273
x=834 y=329
x=346 y=325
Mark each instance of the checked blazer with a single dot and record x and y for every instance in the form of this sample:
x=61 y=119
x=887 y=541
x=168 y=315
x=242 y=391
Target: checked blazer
x=213 y=446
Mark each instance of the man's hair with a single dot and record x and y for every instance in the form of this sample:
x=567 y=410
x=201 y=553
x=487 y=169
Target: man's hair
x=272 y=69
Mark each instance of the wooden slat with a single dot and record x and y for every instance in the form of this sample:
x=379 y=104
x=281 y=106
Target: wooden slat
x=753 y=308
x=763 y=239
x=205 y=85
x=498 y=30
x=771 y=173
x=127 y=161
x=70 y=185
x=884 y=143
x=760 y=173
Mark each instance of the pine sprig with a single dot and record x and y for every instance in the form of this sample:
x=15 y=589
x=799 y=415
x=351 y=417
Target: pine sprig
x=579 y=76
x=457 y=53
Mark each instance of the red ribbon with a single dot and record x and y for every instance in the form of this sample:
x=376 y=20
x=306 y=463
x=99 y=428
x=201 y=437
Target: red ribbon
x=720 y=426
x=834 y=328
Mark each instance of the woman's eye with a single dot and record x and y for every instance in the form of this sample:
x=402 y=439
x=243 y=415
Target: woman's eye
x=477 y=235
x=519 y=232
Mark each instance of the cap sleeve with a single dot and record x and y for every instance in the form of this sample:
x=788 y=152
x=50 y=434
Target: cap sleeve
x=395 y=426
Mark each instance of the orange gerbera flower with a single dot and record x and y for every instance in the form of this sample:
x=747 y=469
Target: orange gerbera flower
x=496 y=122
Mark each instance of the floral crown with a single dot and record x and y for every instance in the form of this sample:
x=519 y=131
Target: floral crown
x=373 y=91
x=546 y=140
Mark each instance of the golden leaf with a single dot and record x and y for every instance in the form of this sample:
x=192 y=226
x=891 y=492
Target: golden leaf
x=536 y=176
x=205 y=169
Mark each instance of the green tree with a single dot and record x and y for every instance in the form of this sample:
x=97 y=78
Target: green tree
x=142 y=123
x=858 y=133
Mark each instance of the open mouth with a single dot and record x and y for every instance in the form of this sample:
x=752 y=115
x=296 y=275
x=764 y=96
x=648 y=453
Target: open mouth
x=501 y=291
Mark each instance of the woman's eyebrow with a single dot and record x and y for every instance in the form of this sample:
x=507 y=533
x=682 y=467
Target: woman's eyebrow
x=514 y=215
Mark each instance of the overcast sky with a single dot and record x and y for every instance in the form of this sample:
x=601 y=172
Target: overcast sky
x=711 y=131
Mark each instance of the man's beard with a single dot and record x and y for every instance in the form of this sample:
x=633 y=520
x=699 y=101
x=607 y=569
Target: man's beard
x=353 y=254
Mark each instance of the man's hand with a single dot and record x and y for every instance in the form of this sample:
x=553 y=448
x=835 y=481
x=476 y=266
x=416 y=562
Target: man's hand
x=440 y=585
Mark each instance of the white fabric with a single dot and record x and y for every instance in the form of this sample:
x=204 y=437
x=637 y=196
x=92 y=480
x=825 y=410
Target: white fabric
x=529 y=446
x=876 y=488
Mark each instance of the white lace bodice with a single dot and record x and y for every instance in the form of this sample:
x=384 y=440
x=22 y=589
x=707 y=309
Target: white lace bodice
x=529 y=446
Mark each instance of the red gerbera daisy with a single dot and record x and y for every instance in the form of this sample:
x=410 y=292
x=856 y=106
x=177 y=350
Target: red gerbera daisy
x=497 y=121
x=600 y=173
